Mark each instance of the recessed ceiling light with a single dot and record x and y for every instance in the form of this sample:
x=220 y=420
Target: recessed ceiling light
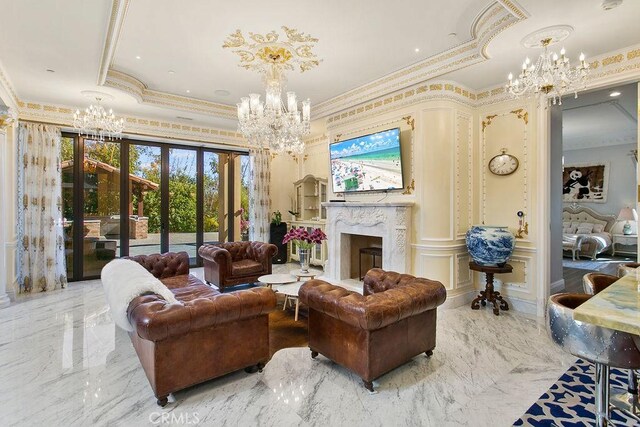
x=138 y=57
x=222 y=92
x=171 y=72
x=615 y=93
x=610 y=4
x=188 y=91
x=453 y=34
x=417 y=49
x=49 y=70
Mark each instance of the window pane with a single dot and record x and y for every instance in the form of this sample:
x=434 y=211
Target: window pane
x=182 y=201
x=101 y=228
x=213 y=204
x=245 y=178
x=144 y=199
x=66 y=154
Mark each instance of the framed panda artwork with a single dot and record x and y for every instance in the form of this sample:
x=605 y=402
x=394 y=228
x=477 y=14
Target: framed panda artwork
x=585 y=182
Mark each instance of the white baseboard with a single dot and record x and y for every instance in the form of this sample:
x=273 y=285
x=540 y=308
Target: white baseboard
x=526 y=307
x=461 y=299
x=557 y=286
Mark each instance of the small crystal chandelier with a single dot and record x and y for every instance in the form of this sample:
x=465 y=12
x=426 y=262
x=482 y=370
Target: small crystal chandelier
x=273 y=123
x=95 y=122
x=551 y=75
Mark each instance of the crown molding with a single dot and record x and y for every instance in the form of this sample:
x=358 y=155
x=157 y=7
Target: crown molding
x=619 y=66
x=63 y=116
x=116 y=21
x=7 y=91
x=494 y=19
x=134 y=87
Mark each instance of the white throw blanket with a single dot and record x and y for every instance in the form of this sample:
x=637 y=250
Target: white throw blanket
x=123 y=280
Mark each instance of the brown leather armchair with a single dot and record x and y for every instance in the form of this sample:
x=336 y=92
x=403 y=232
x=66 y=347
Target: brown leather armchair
x=236 y=263
x=205 y=335
x=372 y=334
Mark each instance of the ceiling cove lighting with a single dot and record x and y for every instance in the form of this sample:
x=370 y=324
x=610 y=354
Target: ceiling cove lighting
x=274 y=124
x=551 y=75
x=95 y=122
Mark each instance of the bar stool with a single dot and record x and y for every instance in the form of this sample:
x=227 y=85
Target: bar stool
x=374 y=252
x=604 y=347
x=628 y=268
x=593 y=283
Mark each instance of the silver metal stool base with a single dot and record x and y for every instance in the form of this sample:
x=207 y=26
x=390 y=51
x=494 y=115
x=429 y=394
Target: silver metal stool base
x=625 y=402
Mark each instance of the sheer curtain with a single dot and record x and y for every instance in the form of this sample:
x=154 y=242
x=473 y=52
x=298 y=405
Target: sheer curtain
x=259 y=198
x=41 y=260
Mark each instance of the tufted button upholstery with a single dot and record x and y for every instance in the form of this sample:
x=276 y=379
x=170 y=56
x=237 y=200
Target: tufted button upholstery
x=164 y=265
x=388 y=298
x=205 y=335
x=235 y=263
x=373 y=333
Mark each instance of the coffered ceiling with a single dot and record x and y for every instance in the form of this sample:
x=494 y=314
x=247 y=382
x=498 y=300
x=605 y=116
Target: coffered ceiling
x=164 y=58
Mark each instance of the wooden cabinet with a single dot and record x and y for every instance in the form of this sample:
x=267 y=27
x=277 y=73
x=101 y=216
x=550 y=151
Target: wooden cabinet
x=310 y=193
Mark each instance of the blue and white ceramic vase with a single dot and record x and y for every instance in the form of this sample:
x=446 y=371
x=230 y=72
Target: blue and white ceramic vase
x=489 y=245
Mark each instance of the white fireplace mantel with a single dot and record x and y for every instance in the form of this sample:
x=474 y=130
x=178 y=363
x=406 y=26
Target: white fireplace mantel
x=389 y=220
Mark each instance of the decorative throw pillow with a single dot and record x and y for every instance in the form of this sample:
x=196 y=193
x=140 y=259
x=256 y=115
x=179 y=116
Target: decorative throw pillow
x=584 y=230
x=598 y=228
x=566 y=224
x=575 y=224
x=569 y=230
x=586 y=226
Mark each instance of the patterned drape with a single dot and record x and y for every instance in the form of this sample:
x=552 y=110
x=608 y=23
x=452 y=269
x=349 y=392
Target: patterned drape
x=41 y=260
x=259 y=198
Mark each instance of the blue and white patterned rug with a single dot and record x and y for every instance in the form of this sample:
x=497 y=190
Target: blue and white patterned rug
x=570 y=401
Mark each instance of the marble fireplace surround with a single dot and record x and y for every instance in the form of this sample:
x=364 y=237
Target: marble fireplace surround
x=389 y=220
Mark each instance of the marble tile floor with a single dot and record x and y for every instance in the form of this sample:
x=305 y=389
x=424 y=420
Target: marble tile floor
x=63 y=362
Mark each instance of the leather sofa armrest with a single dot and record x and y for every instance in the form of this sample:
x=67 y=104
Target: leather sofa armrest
x=154 y=319
x=377 y=310
x=264 y=253
x=217 y=255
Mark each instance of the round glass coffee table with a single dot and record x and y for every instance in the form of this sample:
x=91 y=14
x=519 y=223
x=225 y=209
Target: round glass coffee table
x=276 y=279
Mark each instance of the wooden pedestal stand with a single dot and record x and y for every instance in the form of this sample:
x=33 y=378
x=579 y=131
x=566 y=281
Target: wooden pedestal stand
x=489 y=295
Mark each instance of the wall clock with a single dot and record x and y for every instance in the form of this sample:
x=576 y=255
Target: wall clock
x=503 y=164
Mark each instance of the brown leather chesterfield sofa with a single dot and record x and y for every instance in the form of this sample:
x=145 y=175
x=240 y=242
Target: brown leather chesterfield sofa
x=236 y=263
x=372 y=334
x=206 y=335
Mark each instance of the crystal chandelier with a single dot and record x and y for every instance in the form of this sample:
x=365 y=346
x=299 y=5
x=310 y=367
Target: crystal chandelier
x=551 y=75
x=95 y=122
x=272 y=124
x=275 y=124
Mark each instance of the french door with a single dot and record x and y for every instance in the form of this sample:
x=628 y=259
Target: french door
x=165 y=198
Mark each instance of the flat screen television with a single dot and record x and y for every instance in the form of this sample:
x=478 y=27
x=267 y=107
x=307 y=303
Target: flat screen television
x=367 y=163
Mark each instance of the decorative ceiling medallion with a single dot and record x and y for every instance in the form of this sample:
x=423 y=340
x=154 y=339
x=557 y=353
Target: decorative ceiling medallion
x=261 y=52
x=555 y=34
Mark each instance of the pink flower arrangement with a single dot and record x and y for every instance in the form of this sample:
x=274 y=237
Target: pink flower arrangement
x=304 y=239
x=244 y=222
